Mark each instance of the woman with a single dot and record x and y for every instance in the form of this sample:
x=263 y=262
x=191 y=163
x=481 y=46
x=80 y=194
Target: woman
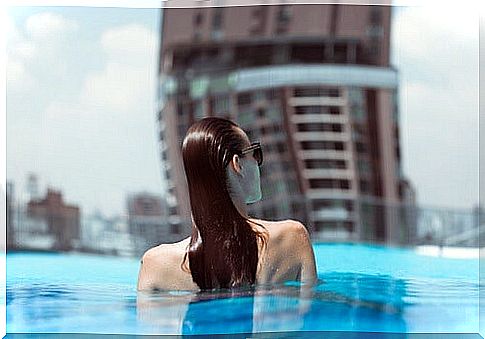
x=227 y=248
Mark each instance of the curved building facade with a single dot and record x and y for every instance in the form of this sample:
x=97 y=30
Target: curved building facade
x=313 y=84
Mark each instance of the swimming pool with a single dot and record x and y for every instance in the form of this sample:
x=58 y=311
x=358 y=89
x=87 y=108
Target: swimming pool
x=366 y=288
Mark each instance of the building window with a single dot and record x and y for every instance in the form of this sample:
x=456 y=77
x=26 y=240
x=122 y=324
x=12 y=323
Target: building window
x=360 y=147
x=264 y=130
x=326 y=225
x=259 y=96
x=180 y=109
x=308 y=109
x=217 y=23
x=292 y=185
x=220 y=104
x=344 y=184
x=329 y=184
x=395 y=109
x=281 y=147
x=164 y=155
x=259 y=20
x=254 y=55
x=325 y=164
x=365 y=186
x=356 y=103
x=309 y=53
x=273 y=94
x=198 y=18
x=172 y=210
x=183 y=110
x=319 y=127
x=267 y=149
x=323 y=145
x=277 y=128
x=333 y=92
x=332 y=204
x=358 y=132
x=333 y=110
x=316 y=92
x=363 y=166
x=283 y=19
x=375 y=15
x=217 y=19
x=306 y=92
x=182 y=129
x=199 y=110
x=244 y=99
x=340 y=53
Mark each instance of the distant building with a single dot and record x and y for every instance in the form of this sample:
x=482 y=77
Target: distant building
x=122 y=238
x=147 y=221
x=53 y=216
x=33 y=192
x=92 y=230
x=315 y=85
x=107 y=235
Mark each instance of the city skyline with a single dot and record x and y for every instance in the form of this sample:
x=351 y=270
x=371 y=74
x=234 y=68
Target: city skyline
x=124 y=71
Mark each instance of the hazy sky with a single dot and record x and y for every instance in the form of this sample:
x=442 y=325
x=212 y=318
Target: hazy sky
x=81 y=102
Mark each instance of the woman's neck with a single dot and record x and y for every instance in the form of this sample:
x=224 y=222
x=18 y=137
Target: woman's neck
x=240 y=206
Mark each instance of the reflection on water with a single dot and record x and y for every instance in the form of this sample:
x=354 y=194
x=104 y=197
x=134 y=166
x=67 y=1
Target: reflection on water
x=273 y=308
x=47 y=293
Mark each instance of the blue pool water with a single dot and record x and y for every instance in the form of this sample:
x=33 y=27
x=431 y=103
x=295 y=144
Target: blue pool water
x=365 y=288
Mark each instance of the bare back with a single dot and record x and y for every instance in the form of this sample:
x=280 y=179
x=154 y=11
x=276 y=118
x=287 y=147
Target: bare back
x=287 y=256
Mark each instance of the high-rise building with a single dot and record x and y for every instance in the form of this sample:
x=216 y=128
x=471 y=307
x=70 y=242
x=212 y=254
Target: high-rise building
x=312 y=83
x=147 y=221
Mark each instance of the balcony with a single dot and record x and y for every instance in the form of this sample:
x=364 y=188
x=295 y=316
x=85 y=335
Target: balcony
x=331 y=193
x=324 y=136
x=317 y=101
x=328 y=173
x=316 y=118
x=324 y=154
x=334 y=214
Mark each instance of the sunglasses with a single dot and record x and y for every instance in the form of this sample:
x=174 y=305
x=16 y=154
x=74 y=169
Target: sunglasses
x=257 y=152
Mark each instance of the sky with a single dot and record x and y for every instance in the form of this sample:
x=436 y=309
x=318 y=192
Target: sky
x=81 y=102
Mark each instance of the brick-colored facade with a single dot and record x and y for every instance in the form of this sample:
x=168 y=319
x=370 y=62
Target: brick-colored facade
x=63 y=220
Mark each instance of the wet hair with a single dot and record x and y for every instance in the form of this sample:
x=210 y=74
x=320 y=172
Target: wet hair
x=223 y=249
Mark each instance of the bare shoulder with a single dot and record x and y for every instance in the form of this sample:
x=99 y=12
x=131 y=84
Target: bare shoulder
x=296 y=228
x=283 y=227
x=282 y=258
x=155 y=255
x=163 y=251
x=284 y=232
x=160 y=266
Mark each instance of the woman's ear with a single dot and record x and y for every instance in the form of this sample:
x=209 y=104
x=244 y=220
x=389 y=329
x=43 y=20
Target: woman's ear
x=236 y=163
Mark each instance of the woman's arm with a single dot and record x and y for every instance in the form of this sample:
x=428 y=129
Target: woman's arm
x=308 y=274
x=144 y=282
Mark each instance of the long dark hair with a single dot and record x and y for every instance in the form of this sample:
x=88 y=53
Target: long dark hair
x=223 y=249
